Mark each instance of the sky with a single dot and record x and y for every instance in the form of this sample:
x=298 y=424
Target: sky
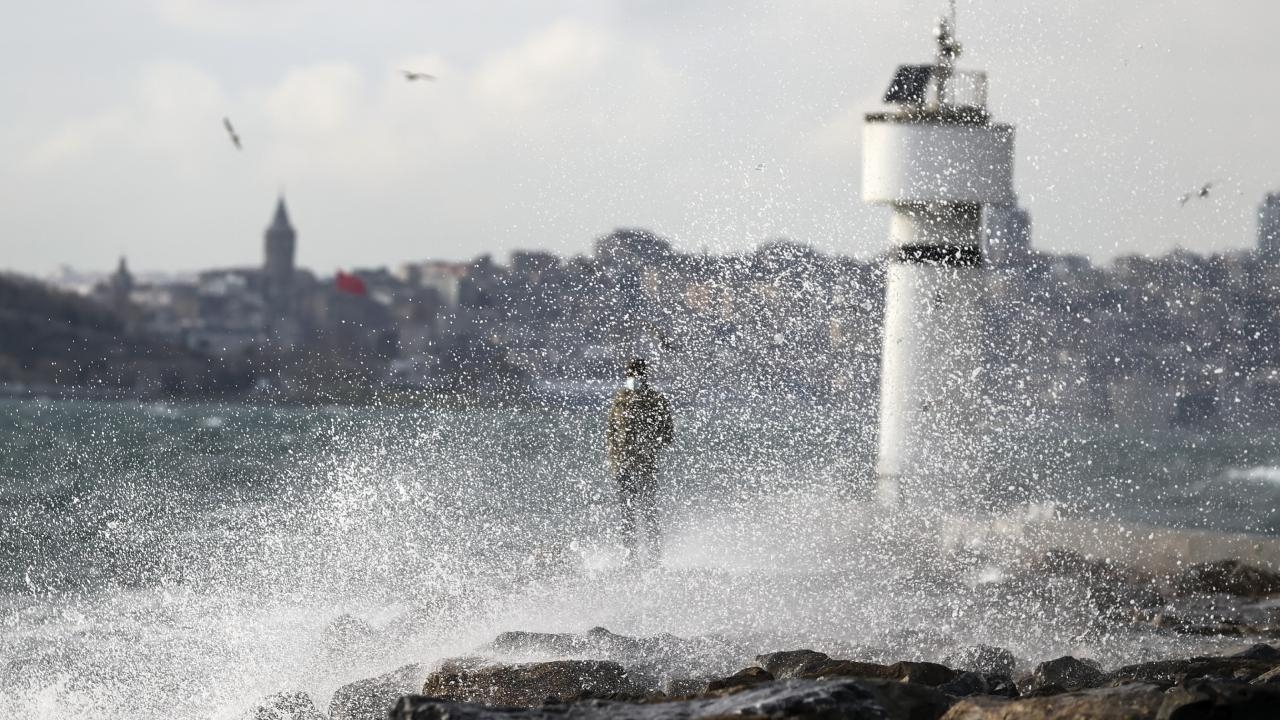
x=718 y=125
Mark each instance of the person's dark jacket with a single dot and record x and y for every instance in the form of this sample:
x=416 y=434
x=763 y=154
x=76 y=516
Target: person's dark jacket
x=640 y=425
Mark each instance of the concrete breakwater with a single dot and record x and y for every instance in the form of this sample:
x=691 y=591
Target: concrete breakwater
x=1154 y=549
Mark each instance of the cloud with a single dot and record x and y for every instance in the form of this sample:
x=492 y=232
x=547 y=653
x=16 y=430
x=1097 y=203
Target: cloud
x=319 y=101
x=173 y=105
x=231 y=16
x=552 y=123
x=513 y=147
x=568 y=91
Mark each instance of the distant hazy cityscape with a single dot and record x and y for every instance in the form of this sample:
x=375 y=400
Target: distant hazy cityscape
x=1150 y=341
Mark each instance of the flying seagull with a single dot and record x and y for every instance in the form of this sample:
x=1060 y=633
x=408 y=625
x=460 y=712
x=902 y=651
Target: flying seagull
x=1203 y=192
x=412 y=76
x=226 y=123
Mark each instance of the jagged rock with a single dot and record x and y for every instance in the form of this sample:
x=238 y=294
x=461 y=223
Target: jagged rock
x=1178 y=672
x=285 y=706
x=597 y=640
x=1259 y=651
x=747 y=677
x=520 y=642
x=1221 y=700
x=529 y=684
x=1130 y=702
x=792 y=663
x=924 y=673
x=604 y=638
x=1002 y=686
x=661 y=654
x=848 y=668
x=815 y=665
x=982 y=659
x=1229 y=576
x=972 y=683
x=371 y=698
x=1065 y=674
x=853 y=668
x=909 y=701
x=779 y=699
x=681 y=687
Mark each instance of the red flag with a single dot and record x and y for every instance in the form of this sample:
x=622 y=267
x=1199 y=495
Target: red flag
x=351 y=284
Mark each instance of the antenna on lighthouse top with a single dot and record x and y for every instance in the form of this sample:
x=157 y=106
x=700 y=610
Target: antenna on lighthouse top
x=948 y=45
x=948 y=51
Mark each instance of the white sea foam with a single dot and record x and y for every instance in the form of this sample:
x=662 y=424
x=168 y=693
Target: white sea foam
x=1261 y=474
x=372 y=543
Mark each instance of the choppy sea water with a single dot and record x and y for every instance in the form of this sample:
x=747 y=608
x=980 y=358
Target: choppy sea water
x=186 y=560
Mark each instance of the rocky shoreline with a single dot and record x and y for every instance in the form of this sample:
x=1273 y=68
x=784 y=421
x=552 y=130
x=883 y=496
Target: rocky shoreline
x=600 y=674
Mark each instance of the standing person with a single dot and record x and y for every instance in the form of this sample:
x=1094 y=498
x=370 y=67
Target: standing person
x=639 y=426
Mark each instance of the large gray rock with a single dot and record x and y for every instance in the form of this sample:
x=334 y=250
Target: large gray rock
x=530 y=684
x=1229 y=576
x=748 y=677
x=1221 y=700
x=1177 y=672
x=1204 y=700
x=815 y=665
x=982 y=659
x=1259 y=651
x=1131 y=702
x=1064 y=674
x=780 y=699
x=371 y=698
x=520 y=642
x=663 y=654
x=908 y=701
x=792 y=663
x=971 y=683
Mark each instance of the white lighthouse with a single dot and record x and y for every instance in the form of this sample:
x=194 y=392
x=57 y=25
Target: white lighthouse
x=936 y=158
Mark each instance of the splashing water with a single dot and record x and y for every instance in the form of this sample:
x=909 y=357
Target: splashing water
x=162 y=561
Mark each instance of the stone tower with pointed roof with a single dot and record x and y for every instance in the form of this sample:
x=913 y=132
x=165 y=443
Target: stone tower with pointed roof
x=278 y=268
x=120 y=284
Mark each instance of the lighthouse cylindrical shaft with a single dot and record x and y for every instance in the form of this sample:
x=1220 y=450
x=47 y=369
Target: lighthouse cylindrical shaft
x=930 y=409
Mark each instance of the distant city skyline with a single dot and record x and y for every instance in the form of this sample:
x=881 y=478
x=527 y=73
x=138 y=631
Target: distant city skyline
x=715 y=125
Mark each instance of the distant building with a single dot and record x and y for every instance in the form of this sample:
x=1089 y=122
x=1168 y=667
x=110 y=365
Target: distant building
x=532 y=264
x=482 y=285
x=443 y=278
x=120 y=286
x=1269 y=227
x=1006 y=230
x=278 y=267
x=631 y=247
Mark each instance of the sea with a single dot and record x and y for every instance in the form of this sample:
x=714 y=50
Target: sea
x=163 y=560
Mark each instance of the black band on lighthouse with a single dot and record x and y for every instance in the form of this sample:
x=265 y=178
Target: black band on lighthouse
x=949 y=255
